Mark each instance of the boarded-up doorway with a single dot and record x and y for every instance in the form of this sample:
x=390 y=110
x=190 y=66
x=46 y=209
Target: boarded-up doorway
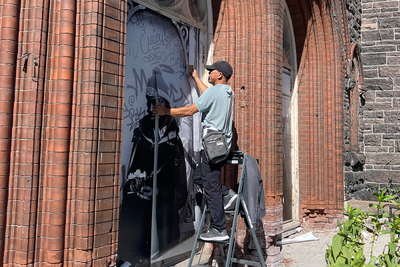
x=287 y=145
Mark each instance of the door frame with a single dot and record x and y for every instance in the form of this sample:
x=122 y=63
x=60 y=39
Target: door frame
x=292 y=66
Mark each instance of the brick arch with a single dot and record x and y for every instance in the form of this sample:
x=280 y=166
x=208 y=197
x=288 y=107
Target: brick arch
x=354 y=158
x=320 y=74
x=243 y=38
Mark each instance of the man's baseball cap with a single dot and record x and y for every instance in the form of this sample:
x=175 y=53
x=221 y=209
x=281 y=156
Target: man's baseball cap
x=221 y=66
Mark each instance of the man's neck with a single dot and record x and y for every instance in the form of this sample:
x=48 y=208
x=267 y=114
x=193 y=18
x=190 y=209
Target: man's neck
x=220 y=82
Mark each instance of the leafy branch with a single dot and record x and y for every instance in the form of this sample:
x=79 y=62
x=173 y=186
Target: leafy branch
x=347 y=249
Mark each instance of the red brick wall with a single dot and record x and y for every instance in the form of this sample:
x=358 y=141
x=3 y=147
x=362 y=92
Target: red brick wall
x=250 y=38
x=322 y=68
x=62 y=144
x=9 y=16
x=244 y=36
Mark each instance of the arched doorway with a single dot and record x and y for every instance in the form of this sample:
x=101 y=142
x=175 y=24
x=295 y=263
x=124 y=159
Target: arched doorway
x=164 y=39
x=289 y=118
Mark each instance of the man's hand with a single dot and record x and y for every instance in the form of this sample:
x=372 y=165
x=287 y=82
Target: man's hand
x=160 y=109
x=194 y=74
x=202 y=87
x=146 y=193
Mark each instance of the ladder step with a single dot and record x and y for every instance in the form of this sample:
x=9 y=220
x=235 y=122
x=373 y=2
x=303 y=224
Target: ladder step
x=230 y=212
x=245 y=262
x=226 y=242
x=227 y=212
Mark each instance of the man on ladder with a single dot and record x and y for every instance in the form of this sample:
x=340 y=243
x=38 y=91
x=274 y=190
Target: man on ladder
x=214 y=103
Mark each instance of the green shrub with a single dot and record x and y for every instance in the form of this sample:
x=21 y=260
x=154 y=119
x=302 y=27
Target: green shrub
x=347 y=247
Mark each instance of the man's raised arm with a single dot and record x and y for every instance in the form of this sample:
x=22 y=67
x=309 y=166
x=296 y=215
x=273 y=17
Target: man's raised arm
x=202 y=87
x=160 y=109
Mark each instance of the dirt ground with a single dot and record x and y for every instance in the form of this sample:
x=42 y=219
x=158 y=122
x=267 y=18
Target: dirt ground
x=307 y=254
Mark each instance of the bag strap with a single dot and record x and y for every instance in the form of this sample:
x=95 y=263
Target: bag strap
x=228 y=115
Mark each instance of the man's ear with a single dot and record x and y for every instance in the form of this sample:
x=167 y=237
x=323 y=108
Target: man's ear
x=222 y=77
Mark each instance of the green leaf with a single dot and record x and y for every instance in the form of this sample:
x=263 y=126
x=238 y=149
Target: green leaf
x=388 y=197
x=327 y=256
x=381 y=262
x=392 y=248
x=346 y=254
x=384 y=232
x=340 y=265
x=337 y=243
x=388 y=263
x=359 y=259
x=372 y=261
x=341 y=259
x=332 y=260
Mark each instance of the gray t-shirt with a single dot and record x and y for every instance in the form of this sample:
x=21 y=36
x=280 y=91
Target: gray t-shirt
x=214 y=105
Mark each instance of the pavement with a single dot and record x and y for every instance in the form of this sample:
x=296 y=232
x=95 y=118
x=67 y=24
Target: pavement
x=202 y=258
x=312 y=253
x=303 y=254
x=309 y=253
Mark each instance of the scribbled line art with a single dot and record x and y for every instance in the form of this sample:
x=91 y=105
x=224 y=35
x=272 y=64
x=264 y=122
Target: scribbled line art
x=183 y=31
x=138 y=19
x=133 y=113
x=164 y=47
x=178 y=95
x=154 y=47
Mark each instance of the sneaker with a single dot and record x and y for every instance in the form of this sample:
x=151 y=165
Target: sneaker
x=215 y=235
x=229 y=200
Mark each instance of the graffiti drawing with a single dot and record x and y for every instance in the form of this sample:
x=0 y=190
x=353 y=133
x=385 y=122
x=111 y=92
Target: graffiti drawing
x=156 y=59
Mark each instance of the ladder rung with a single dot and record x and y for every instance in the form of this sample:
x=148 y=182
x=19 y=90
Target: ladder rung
x=240 y=261
x=231 y=212
x=214 y=242
x=227 y=212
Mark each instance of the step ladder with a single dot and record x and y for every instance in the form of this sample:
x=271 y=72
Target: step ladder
x=237 y=157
